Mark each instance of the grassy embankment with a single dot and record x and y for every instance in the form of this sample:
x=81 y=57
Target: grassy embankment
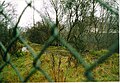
x=56 y=62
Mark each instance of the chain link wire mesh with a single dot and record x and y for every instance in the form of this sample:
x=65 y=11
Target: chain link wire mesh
x=55 y=36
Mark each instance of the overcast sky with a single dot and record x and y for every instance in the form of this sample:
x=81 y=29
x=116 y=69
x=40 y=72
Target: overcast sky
x=28 y=15
x=27 y=18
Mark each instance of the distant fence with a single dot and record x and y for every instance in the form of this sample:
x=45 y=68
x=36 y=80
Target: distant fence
x=55 y=36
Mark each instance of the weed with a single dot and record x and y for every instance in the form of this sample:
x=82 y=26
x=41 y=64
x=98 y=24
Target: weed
x=55 y=63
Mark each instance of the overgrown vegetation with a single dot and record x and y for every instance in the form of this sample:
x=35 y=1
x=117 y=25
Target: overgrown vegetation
x=57 y=63
x=84 y=24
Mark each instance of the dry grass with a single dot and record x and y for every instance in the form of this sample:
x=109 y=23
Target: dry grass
x=64 y=71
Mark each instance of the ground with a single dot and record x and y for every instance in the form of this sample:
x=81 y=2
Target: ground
x=59 y=64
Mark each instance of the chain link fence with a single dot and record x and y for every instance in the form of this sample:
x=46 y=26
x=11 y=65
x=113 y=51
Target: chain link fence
x=55 y=36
